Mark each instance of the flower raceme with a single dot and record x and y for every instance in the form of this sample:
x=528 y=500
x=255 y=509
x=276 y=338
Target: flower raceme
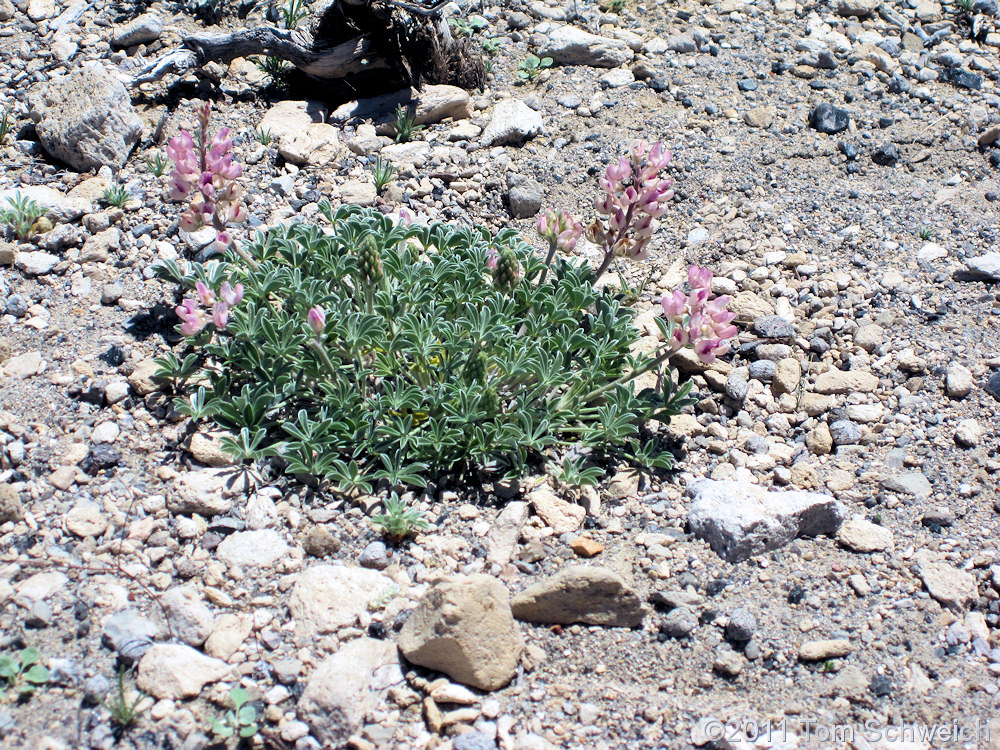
x=693 y=320
x=634 y=196
x=205 y=173
x=192 y=314
x=560 y=229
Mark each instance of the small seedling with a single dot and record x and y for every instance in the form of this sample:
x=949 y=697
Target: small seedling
x=23 y=672
x=6 y=126
x=293 y=12
x=383 y=172
x=926 y=234
x=532 y=66
x=240 y=721
x=125 y=711
x=22 y=215
x=156 y=164
x=615 y=6
x=469 y=27
x=273 y=67
x=263 y=136
x=406 y=124
x=829 y=666
x=491 y=46
x=967 y=5
x=116 y=196
x=398 y=521
x=574 y=473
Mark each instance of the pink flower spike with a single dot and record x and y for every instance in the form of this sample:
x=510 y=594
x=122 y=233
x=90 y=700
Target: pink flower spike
x=220 y=315
x=706 y=350
x=542 y=225
x=659 y=157
x=223 y=240
x=232 y=295
x=316 y=318
x=192 y=318
x=673 y=304
x=699 y=278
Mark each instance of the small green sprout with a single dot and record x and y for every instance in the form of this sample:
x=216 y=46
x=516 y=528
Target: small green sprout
x=156 y=164
x=22 y=215
x=293 y=12
x=406 y=124
x=398 y=521
x=125 y=711
x=24 y=673
x=240 y=721
x=383 y=172
x=575 y=473
x=6 y=126
x=273 y=67
x=116 y=196
x=468 y=27
x=532 y=66
x=926 y=234
x=492 y=45
x=263 y=136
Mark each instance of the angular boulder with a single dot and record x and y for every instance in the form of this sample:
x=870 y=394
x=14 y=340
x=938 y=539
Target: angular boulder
x=85 y=119
x=580 y=593
x=741 y=520
x=463 y=627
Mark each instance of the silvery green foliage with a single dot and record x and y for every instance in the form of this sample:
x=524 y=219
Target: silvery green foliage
x=380 y=351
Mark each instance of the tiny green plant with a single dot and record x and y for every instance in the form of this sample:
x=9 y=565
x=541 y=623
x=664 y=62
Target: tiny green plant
x=383 y=172
x=406 y=124
x=293 y=12
x=926 y=234
x=532 y=66
x=468 y=27
x=263 y=136
x=21 y=215
x=156 y=164
x=575 y=473
x=615 y=6
x=829 y=666
x=399 y=521
x=23 y=672
x=6 y=126
x=273 y=67
x=967 y=5
x=492 y=45
x=240 y=721
x=116 y=196
x=125 y=710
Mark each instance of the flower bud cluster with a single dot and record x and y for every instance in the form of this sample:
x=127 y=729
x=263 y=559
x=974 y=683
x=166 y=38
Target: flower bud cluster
x=195 y=314
x=560 y=229
x=205 y=173
x=695 y=321
x=634 y=196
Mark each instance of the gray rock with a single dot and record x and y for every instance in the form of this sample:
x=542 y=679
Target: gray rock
x=374 y=556
x=64 y=672
x=679 y=623
x=326 y=598
x=473 y=741
x=859 y=8
x=952 y=587
x=992 y=385
x=829 y=119
x=740 y=521
x=513 y=121
x=170 y=671
x=773 y=327
x=35 y=262
x=681 y=43
x=845 y=432
x=505 y=532
x=95 y=690
x=346 y=686
x=886 y=155
x=983 y=268
x=17 y=305
x=526 y=199
x=763 y=370
x=737 y=385
x=568 y=45
x=579 y=593
x=252 y=548
x=129 y=634
x=85 y=119
x=742 y=625
x=911 y=483
x=145 y=28
x=190 y=618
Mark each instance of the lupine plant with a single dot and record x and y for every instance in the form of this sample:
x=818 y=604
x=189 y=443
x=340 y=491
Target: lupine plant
x=376 y=350
x=20 y=215
x=398 y=520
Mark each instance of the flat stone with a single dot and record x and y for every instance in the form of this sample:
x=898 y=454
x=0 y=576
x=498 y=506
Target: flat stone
x=170 y=671
x=580 y=593
x=823 y=650
x=561 y=516
x=35 y=262
x=228 y=633
x=207 y=492
x=346 y=686
x=983 y=268
x=86 y=520
x=861 y=535
x=24 y=365
x=41 y=586
x=584 y=546
x=326 y=598
x=836 y=382
x=501 y=541
x=950 y=586
x=427 y=107
x=142 y=30
x=260 y=548
x=129 y=634
x=910 y=483
x=958 y=381
x=740 y=520
x=568 y=45
x=512 y=122
x=189 y=616
x=206 y=448
x=463 y=627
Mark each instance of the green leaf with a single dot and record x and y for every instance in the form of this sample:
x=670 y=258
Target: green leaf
x=248 y=731
x=30 y=656
x=8 y=667
x=37 y=675
x=238 y=696
x=246 y=715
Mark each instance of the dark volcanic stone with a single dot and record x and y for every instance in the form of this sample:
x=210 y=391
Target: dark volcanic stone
x=886 y=155
x=101 y=457
x=963 y=79
x=829 y=119
x=992 y=386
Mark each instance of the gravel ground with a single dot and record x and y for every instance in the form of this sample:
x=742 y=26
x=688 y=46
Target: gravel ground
x=835 y=164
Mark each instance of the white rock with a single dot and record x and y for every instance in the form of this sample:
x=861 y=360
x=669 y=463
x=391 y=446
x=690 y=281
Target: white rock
x=170 y=671
x=35 y=262
x=24 y=365
x=558 y=514
x=86 y=520
x=207 y=492
x=513 y=121
x=569 y=45
x=106 y=432
x=861 y=535
x=968 y=433
x=189 y=616
x=326 y=598
x=252 y=548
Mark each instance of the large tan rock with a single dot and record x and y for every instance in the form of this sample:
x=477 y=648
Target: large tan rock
x=172 y=671
x=328 y=597
x=302 y=135
x=463 y=627
x=559 y=515
x=579 y=593
x=837 y=382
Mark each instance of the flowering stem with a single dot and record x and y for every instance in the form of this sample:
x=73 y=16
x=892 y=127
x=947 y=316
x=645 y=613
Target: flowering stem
x=632 y=374
x=317 y=346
